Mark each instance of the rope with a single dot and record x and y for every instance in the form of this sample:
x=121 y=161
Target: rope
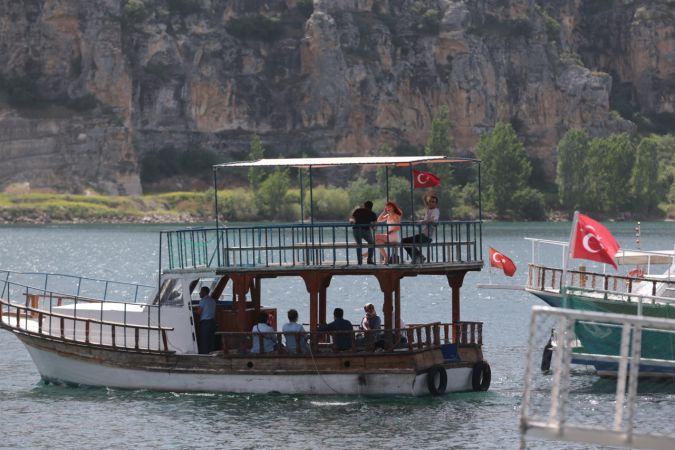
x=316 y=367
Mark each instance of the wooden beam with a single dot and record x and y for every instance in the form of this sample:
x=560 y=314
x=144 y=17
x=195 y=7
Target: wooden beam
x=323 y=299
x=241 y=284
x=390 y=285
x=455 y=280
x=315 y=282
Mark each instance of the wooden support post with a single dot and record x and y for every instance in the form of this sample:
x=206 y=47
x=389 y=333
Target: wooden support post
x=34 y=299
x=316 y=283
x=323 y=293
x=313 y=309
x=390 y=285
x=455 y=281
x=254 y=287
x=241 y=283
x=397 y=305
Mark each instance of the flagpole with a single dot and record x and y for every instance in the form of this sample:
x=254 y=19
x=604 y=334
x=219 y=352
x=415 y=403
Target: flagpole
x=570 y=249
x=412 y=197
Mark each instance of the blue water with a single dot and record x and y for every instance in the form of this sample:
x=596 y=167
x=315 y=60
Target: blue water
x=35 y=415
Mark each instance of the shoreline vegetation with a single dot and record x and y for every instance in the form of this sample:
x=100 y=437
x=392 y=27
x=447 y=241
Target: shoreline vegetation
x=235 y=205
x=617 y=177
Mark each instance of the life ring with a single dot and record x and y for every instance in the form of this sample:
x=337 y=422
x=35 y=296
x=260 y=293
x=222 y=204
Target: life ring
x=437 y=380
x=481 y=376
x=636 y=273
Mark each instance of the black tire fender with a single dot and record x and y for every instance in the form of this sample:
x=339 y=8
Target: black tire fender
x=481 y=376
x=437 y=380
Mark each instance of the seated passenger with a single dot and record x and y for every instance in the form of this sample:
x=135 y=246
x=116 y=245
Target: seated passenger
x=371 y=321
x=295 y=334
x=343 y=341
x=403 y=335
x=269 y=340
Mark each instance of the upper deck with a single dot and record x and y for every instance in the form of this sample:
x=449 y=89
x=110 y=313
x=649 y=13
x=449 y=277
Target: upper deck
x=455 y=245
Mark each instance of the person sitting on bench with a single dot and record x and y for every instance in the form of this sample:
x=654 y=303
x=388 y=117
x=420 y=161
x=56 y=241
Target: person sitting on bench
x=412 y=243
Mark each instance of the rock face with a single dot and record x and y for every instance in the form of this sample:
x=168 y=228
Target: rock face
x=90 y=90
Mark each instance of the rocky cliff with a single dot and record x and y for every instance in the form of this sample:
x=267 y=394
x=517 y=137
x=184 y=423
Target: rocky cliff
x=92 y=91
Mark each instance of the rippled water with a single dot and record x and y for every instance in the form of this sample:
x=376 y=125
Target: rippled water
x=41 y=416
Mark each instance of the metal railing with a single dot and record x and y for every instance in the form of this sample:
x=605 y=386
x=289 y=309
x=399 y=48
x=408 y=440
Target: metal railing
x=80 y=286
x=558 y=421
x=545 y=278
x=81 y=319
x=412 y=338
x=331 y=244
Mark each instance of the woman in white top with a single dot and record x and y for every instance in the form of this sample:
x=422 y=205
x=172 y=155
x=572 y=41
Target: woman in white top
x=392 y=215
x=296 y=337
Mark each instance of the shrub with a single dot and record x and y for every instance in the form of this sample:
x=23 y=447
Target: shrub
x=430 y=22
x=529 y=204
x=237 y=205
x=360 y=190
x=255 y=27
x=134 y=10
x=552 y=28
x=183 y=7
x=518 y=27
x=306 y=7
x=331 y=203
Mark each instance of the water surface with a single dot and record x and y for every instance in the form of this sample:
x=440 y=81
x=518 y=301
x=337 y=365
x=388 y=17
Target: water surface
x=102 y=418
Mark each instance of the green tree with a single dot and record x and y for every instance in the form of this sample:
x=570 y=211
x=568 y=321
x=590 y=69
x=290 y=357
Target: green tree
x=360 y=190
x=644 y=177
x=609 y=163
x=381 y=173
x=331 y=203
x=571 y=173
x=272 y=192
x=666 y=159
x=256 y=175
x=506 y=168
x=439 y=143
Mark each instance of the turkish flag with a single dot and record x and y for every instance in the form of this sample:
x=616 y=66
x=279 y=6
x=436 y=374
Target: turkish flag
x=591 y=240
x=500 y=261
x=425 y=179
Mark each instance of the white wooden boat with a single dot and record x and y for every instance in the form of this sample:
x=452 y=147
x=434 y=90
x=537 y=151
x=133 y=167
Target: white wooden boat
x=84 y=340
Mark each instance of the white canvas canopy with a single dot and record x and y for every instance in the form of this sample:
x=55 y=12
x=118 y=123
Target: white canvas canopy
x=637 y=257
x=394 y=161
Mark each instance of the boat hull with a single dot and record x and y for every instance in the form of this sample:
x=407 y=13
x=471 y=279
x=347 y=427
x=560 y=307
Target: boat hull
x=549 y=297
x=64 y=363
x=605 y=339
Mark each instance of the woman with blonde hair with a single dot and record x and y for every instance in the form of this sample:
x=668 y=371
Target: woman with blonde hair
x=392 y=216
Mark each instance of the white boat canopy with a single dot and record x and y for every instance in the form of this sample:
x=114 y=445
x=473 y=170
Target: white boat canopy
x=396 y=161
x=645 y=257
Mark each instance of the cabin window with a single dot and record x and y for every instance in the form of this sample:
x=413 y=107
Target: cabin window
x=170 y=294
x=215 y=285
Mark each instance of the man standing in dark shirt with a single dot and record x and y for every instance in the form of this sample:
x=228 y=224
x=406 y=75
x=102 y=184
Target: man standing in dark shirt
x=343 y=341
x=363 y=219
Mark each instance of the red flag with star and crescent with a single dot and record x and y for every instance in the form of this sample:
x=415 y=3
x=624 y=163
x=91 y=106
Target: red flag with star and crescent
x=498 y=260
x=591 y=240
x=424 y=179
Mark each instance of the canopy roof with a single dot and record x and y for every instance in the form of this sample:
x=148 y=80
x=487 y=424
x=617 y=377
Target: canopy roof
x=645 y=257
x=400 y=161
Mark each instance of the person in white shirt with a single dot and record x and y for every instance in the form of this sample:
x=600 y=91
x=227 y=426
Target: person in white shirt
x=428 y=230
x=269 y=340
x=294 y=333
